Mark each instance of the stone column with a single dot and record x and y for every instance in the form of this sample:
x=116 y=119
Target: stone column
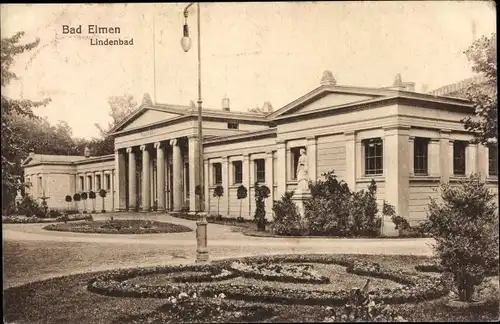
x=270 y=184
x=281 y=171
x=132 y=180
x=470 y=159
x=194 y=161
x=445 y=156
x=397 y=180
x=146 y=180
x=225 y=184
x=311 y=158
x=120 y=183
x=350 y=159
x=160 y=176
x=112 y=187
x=482 y=161
x=434 y=158
x=247 y=169
x=177 y=174
x=152 y=183
x=411 y=150
x=206 y=189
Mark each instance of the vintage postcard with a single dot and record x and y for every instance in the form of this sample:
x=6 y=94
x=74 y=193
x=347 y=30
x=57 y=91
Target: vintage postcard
x=250 y=162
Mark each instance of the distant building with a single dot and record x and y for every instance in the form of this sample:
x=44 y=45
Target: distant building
x=458 y=89
x=408 y=142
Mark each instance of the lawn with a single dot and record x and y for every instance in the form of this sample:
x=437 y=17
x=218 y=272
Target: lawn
x=67 y=299
x=121 y=226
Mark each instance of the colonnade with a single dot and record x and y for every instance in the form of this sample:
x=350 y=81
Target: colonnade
x=168 y=184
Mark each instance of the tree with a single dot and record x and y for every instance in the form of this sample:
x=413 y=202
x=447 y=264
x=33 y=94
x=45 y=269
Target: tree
x=241 y=194
x=68 y=200
x=120 y=108
x=14 y=148
x=463 y=227
x=483 y=55
x=261 y=193
x=218 y=192
x=92 y=196
x=102 y=194
x=84 y=197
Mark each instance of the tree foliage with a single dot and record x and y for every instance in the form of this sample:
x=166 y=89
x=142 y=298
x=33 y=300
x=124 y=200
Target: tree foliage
x=261 y=193
x=484 y=125
x=465 y=229
x=14 y=148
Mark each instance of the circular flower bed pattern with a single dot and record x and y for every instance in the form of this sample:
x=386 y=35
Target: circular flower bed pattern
x=123 y=226
x=144 y=282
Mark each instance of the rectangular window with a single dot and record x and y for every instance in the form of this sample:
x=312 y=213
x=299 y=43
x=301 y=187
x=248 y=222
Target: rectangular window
x=459 y=157
x=493 y=161
x=97 y=182
x=90 y=182
x=108 y=181
x=420 y=155
x=233 y=125
x=238 y=172
x=82 y=183
x=295 y=152
x=217 y=168
x=373 y=156
x=260 y=170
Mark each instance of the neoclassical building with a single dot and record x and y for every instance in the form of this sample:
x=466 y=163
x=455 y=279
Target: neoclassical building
x=408 y=142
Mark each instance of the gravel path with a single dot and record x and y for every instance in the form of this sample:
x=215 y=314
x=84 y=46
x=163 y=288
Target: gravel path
x=32 y=253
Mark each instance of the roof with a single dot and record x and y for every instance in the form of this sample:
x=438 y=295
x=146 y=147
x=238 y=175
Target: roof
x=188 y=112
x=35 y=159
x=457 y=89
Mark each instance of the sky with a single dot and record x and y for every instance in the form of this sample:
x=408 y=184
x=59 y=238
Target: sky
x=250 y=52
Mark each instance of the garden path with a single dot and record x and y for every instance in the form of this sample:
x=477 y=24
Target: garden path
x=32 y=253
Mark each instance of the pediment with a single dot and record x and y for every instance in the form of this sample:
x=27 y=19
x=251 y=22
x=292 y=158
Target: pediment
x=147 y=117
x=326 y=100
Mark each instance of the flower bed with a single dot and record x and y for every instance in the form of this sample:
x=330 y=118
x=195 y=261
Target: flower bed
x=279 y=272
x=34 y=220
x=416 y=288
x=437 y=268
x=125 y=226
x=190 y=308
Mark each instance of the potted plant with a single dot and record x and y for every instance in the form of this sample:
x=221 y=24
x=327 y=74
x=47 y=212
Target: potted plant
x=92 y=196
x=84 y=197
x=218 y=192
x=76 y=198
x=241 y=194
x=102 y=194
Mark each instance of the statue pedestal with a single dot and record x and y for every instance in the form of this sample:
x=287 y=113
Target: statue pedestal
x=388 y=227
x=298 y=198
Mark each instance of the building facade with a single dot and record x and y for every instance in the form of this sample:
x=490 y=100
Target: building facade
x=408 y=142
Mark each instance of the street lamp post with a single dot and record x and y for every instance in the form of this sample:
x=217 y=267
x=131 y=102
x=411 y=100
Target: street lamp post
x=201 y=224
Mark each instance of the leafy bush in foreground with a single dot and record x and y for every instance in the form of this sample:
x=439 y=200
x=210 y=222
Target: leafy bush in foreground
x=463 y=227
x=287 y=220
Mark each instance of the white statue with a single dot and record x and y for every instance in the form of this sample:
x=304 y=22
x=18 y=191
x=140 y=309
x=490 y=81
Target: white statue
x=302 y=173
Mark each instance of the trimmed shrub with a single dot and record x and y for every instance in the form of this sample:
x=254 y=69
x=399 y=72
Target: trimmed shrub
x=261 y=193
x=218 y=192
x=241 y=194
x=102 y=194
x=92 y=196
x=77 y=197
x=462 y=227
x=287 y=220
x=54 y=213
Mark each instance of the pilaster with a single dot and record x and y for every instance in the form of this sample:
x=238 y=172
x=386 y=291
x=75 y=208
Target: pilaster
x=350 y=159
x=270 y=184
x=177 y=175
x=281 y=170
x=120 y=182
x=445 y=156
x=160 y=175
x=434 y=158
x=311 y=158
x=225 y=185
